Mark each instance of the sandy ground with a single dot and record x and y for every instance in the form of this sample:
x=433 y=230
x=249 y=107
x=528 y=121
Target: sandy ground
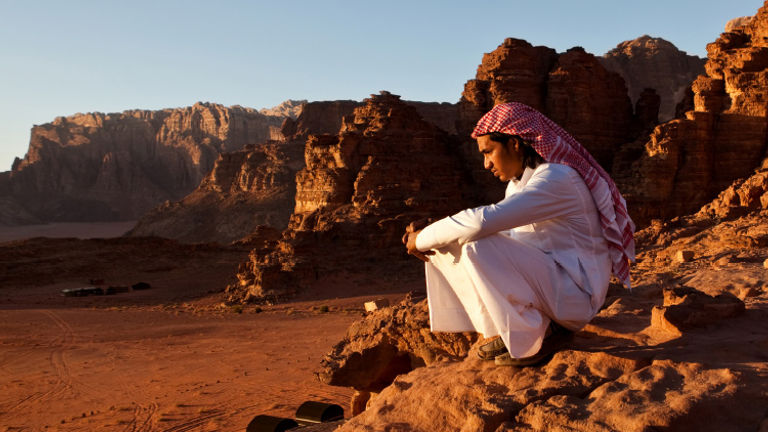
x=171 y=358
x=61 y=230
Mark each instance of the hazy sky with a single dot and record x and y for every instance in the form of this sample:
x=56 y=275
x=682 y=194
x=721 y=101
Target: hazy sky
x=64 y=57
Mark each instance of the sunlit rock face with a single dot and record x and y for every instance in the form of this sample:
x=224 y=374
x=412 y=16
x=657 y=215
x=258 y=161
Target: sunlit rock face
x=385 y=167
x=573 y=88
x=688 y=161
x=92 y=167
x=248 y=190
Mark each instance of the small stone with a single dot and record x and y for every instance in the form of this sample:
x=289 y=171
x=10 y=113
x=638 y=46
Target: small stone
x=376 y=304
x=684 y=256
x=723 y=261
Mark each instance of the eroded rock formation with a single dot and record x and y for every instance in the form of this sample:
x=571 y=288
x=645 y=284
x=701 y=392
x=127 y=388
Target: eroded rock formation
x=648 y=62
x=572 y=88
x=246 y=189
x=91 y=167
x=360 y=188
x=683 y=351
x=687 y=161
x=250 y=188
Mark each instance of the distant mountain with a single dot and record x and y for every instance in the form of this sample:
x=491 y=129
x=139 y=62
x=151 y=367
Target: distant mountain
x=289 y=108
x=648 y=62
x=99 y=167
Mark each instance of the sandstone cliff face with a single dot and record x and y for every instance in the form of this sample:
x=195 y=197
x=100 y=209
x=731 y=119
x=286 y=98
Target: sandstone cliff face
x=251 y=188
x=246 y=189
x=687 y=161
x=572 y=88
x=96 y=166
x=385 y=167
x=648 y=62
x=255 y=187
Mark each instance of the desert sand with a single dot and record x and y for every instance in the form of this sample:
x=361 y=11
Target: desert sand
x=171 y=358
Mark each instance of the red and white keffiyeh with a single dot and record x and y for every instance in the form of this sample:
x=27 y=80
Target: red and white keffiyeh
x=556 y=145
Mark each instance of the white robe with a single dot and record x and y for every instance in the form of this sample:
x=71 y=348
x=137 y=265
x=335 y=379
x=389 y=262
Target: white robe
x=507 y=268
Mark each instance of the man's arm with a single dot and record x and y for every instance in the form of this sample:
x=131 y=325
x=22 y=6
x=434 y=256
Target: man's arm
x=548 y=194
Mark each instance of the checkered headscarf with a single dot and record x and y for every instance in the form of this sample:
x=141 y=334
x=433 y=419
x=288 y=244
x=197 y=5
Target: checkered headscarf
x=554 y=144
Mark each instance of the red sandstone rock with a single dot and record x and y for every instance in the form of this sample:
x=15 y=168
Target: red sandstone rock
x=91 y=167
x=245 y=190
x=387 y=343
x=251 y=188
x=386 y=167
x=688 y=161
x=572 y=88
x=648 y=62
x=685 y=308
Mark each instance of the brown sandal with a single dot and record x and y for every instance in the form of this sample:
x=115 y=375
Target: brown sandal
x=557 y=337
x=492 y=349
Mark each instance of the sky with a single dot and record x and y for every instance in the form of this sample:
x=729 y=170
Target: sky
x=58 y=58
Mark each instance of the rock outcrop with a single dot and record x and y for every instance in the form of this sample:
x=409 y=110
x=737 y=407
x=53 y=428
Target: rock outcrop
x=386 y=167
x=251 y=188
x=688 y=161
x=246 y=189
x=256 y=186
x=685 y=350
x=573 y=88
x=91 y=167
x=648 y=62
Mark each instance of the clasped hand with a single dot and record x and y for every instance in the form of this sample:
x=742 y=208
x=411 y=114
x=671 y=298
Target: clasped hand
x=409 y=240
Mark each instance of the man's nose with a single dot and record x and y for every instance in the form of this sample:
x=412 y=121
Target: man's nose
x=487 y=163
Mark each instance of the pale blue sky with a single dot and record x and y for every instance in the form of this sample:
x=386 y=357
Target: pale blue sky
x=63 y=57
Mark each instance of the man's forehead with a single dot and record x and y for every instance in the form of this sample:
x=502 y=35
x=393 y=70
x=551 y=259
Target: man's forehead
x=484 y=142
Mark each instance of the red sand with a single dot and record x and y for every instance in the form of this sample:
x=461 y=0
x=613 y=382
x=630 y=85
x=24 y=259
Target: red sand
x=172 y=358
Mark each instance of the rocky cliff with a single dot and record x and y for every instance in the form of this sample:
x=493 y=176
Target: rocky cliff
x=688 y=161
x=255 y=187
x=648 y=62
x=385 y=167
x=572 y=88
x=247 y=189
x=91 y=167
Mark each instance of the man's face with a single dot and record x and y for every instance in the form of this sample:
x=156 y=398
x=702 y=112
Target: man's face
x=504 y=162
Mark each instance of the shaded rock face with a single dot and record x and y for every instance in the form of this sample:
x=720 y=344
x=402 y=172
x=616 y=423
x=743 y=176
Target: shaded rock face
x=256 y=186
x=91 y=167
x=246 y=189
x=360 y=188
x=251 y=188
x=648 y=62
x=687 y=161
x=572 y=88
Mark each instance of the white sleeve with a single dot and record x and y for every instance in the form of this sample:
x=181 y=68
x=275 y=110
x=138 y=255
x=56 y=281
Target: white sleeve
x=550 y=193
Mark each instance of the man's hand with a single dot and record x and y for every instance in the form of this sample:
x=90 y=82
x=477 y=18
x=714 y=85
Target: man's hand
x=409 y=240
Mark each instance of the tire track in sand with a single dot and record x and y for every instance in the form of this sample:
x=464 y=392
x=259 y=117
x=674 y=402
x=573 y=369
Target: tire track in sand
x=142 y=419
x=57 y=360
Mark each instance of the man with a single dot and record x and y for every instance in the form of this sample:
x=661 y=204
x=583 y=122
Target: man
x=540 y=260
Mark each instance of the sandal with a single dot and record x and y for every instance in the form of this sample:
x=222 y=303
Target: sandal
x=492 y=349
x=556 y=338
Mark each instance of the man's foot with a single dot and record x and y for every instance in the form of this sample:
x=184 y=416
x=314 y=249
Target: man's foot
x=557 y=338
x=492 y=349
